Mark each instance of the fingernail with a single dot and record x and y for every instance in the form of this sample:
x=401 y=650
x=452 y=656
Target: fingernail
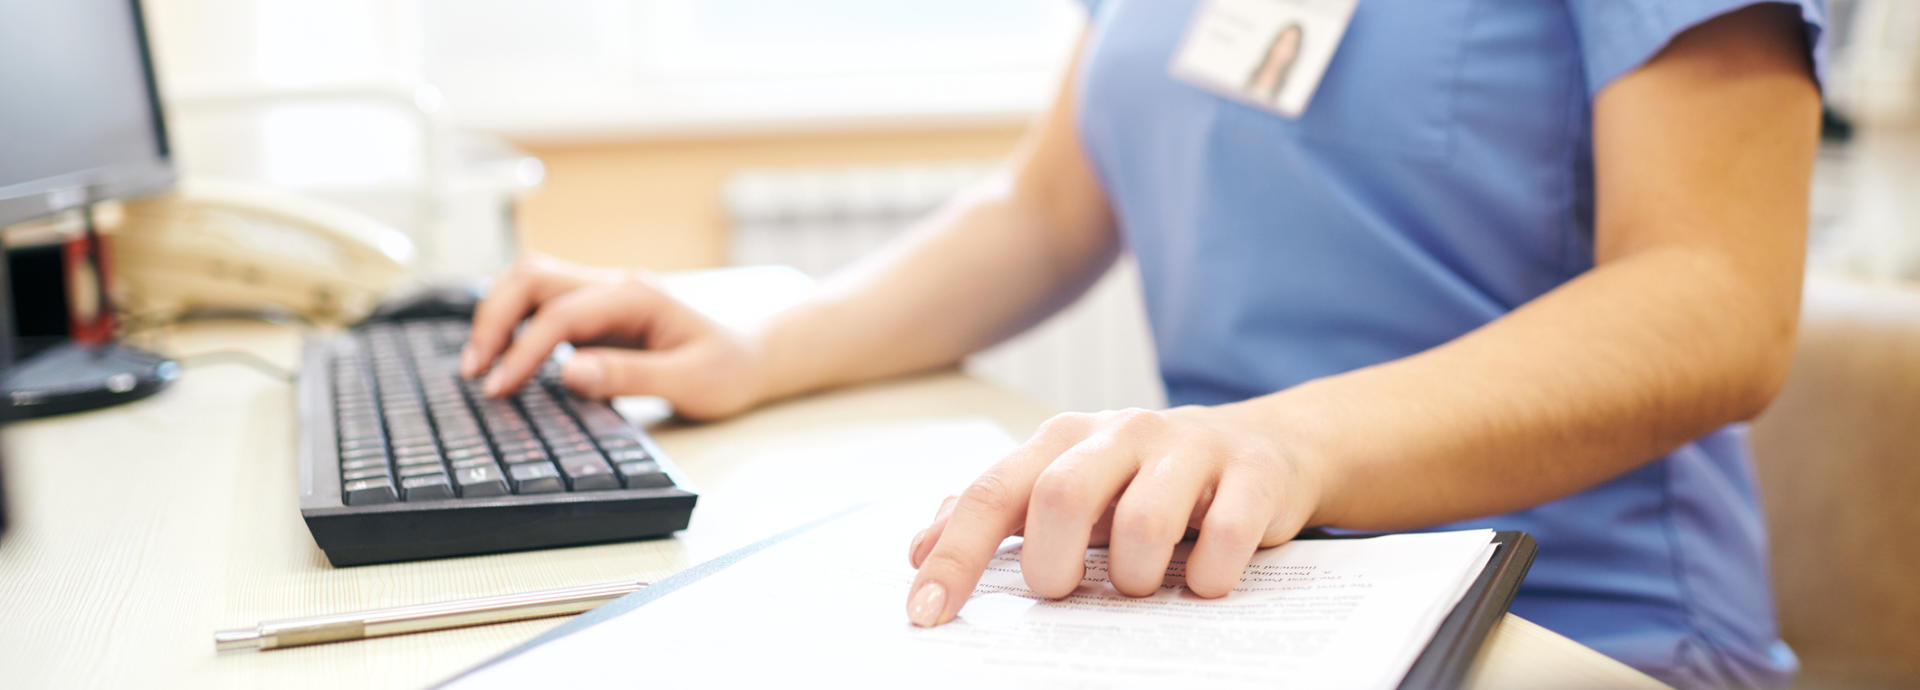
x=927 y=605
x=582 y=373
x=469 y=362
x=914 y=548
x=493 y=385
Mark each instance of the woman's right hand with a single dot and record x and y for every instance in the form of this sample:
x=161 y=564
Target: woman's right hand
x=631 y=338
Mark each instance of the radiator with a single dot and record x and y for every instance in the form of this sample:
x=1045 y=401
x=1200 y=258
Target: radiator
x=1094 y=355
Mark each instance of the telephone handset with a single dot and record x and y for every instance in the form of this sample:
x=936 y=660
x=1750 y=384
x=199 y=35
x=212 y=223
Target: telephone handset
x=228 y=246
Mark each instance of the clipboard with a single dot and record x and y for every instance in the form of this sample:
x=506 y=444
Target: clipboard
x=1444 y=663
x=1457 y=642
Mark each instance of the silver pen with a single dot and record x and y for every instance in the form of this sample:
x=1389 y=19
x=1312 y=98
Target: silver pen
x=400 y=620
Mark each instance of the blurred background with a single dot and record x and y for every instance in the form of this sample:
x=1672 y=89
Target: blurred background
x=677 y=134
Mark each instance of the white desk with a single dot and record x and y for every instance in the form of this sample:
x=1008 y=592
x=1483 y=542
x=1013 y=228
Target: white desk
x=140 y=530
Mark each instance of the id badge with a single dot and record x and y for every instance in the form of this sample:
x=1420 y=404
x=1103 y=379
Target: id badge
x=1268 y=53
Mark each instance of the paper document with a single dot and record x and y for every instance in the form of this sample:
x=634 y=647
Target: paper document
x=827 y=605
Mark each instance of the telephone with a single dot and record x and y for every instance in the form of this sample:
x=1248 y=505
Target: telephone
x=231 y=246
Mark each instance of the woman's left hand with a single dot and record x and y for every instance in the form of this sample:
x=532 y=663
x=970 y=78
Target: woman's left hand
x=1137 y=481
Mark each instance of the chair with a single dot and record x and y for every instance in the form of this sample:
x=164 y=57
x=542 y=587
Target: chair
x=1838 y=461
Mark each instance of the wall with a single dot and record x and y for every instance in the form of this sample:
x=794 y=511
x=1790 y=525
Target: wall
x=657 y=203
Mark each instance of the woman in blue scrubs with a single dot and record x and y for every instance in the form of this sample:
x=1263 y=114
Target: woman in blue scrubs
x=1522 y=264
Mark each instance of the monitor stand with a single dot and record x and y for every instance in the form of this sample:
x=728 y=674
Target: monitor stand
x=55 y=375
x=66 y=376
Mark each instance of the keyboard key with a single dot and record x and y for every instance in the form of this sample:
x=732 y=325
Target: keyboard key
x=628 y=455
x=587 y=472
x=535 y=478
x=368 y=473
x=463 y=439
x=504 y=431
x=348 y=443
x=417 y=459
x=360 y=430
x=478 y=461
x=398 y=419
x=494 y=406
x=427 y=487
x=644 y=474
x=501 y=415
x=411 y=435
x=454 y=412
x=365 y=451
x=479 y=481
x=459 y=429
x=608 y=428
x=611 y=443
x=599 y=415
x=363 y=463
x=513 y=437
x=573 y=447
x=516 y=457
x=535 y=394
x=420 y=470
x=510 y=447
x=366 y=492
x=467 y=451
x=415 y=449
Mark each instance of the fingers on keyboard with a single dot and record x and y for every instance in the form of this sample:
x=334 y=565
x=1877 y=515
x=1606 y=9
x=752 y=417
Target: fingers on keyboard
x=410 y=429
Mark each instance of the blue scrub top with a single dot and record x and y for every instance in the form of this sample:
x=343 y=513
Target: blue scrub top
x=1441 y=177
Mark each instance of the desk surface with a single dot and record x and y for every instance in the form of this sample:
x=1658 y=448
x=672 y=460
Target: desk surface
x=138 y=531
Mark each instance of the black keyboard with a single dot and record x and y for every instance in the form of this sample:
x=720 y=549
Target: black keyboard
x=401 y=459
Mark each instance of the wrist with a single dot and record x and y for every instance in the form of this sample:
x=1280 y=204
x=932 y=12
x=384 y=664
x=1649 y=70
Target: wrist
x=765 y=383
x=779 y=366
x=1300 y=433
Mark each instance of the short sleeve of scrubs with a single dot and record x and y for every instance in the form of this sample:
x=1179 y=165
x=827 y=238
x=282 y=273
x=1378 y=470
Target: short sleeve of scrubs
x=1618 y=36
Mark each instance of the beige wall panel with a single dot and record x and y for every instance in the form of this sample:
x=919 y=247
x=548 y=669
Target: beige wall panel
x=656 y=203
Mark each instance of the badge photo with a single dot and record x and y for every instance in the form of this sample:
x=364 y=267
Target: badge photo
x=1267 y=53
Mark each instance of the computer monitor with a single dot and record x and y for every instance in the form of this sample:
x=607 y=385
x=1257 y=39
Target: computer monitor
x=80 y=123
x=6 y=358
x=79 y=105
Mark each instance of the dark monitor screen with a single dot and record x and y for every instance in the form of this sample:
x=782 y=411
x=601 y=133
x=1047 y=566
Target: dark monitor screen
x=6 y=359
x=79 y=117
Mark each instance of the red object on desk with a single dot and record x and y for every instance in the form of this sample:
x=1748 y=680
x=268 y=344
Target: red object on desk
x=89 y=318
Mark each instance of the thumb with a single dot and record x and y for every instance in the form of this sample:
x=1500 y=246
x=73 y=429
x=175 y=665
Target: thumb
x=605 y=372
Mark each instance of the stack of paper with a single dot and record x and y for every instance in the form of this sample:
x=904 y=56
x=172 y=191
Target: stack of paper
x=827 y=605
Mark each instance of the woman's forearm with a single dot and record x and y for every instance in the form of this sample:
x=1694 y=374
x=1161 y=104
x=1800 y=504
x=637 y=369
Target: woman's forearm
x=1585 y=383
x=988 y=266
